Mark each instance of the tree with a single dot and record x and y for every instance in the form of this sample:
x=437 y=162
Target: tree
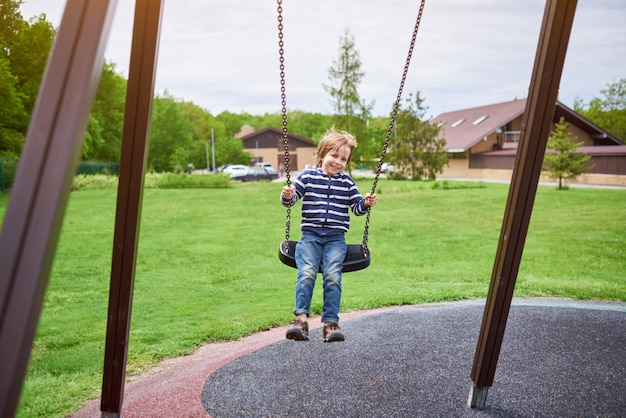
x=229 y=150
x=564 y=162
x=351 y=112
x=345 y=75
x=10 y=23
x=204 y=125
x=28 y=58
x=201 y=128
x=200 y=134
x=178 y=135
x=103 y=139
x=24 y=49
x=415 y=147
x=170 y=136
x=308 y=125
x=609 y=112
x=11 y=110
x=233 y=122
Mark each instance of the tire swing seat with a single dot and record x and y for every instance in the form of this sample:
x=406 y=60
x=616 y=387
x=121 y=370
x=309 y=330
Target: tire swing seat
x=357 y=256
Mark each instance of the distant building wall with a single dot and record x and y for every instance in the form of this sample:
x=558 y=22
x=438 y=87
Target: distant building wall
x=579 y=135
x=265 y=155
x=298 y=157
x=456 y=168
x=485 y=145
x=306 y=156
x=457 y=171
x=608 y=164
x=267 y=145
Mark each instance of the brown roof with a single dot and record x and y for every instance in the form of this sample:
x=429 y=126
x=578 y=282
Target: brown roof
x=597 y=134
x=464 y=128
x=277 y=133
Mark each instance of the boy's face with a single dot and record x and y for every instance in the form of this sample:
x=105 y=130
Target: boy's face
x=335 y=161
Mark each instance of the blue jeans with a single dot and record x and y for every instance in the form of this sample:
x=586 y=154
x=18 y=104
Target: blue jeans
x=326 y=254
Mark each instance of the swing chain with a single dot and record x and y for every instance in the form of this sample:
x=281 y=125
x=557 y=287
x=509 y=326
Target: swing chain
x=392 y=122
x=283 y=98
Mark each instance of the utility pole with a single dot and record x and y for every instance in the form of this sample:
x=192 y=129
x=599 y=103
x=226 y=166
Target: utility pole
x=208 y=167
x=213 y=148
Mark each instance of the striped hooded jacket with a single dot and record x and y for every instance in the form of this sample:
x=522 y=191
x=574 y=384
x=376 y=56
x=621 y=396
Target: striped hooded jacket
x=325 y=201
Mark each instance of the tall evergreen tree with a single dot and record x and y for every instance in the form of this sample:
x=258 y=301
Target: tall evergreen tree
x=351 y=112
x=345 y=75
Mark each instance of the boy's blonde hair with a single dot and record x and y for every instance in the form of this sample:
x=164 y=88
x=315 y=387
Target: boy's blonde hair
x=333 y=140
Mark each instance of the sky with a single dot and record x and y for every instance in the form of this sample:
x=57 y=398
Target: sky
x=223 y=54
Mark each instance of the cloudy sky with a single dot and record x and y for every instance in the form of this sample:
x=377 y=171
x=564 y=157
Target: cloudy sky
x=223 y=54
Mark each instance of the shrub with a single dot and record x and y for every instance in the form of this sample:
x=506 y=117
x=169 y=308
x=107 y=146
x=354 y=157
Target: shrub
x=94 y=182
x=453 y=185
x=395 y=175
x=154 y=181
x=186 y=181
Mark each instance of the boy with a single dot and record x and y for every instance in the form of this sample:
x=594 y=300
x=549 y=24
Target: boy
x=326 y=193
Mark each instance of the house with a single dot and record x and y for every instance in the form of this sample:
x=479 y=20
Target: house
x=482 y=142
x=267 y=145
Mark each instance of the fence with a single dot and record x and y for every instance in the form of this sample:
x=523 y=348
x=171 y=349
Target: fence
x=8 y=168
x=7 y=175
x=95 y=167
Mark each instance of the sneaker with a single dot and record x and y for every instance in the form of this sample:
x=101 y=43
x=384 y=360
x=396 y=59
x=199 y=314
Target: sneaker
x=299 y=330
x=332 y=332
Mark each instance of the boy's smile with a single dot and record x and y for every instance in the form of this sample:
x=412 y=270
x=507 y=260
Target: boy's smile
x=335 y=161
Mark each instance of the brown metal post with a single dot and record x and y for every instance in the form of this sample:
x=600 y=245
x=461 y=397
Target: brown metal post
x=137 y=113
x=536 y=125
x=41 y=190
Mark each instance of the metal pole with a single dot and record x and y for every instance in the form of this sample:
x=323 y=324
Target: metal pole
x=208 y=167
x=34 y=215
x=536 y=124
x=213 y=149
x=139 y=93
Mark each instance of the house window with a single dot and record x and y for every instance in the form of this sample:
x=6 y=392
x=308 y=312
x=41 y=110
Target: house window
x=480 y=119
x=457 y=123
x=511 y=136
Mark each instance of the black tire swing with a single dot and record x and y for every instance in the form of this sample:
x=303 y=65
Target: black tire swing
x=357 y=255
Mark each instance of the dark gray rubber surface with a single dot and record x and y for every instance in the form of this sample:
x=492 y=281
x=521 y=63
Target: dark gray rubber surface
x=559 y=358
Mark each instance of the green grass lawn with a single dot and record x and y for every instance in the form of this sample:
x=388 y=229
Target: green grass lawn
x=207 y=267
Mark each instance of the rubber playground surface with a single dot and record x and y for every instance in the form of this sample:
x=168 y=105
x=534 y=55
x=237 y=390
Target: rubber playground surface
x=559 y=357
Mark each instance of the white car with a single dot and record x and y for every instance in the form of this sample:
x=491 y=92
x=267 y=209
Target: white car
x=268 y=166
x=388 y=168
x=236 y=170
